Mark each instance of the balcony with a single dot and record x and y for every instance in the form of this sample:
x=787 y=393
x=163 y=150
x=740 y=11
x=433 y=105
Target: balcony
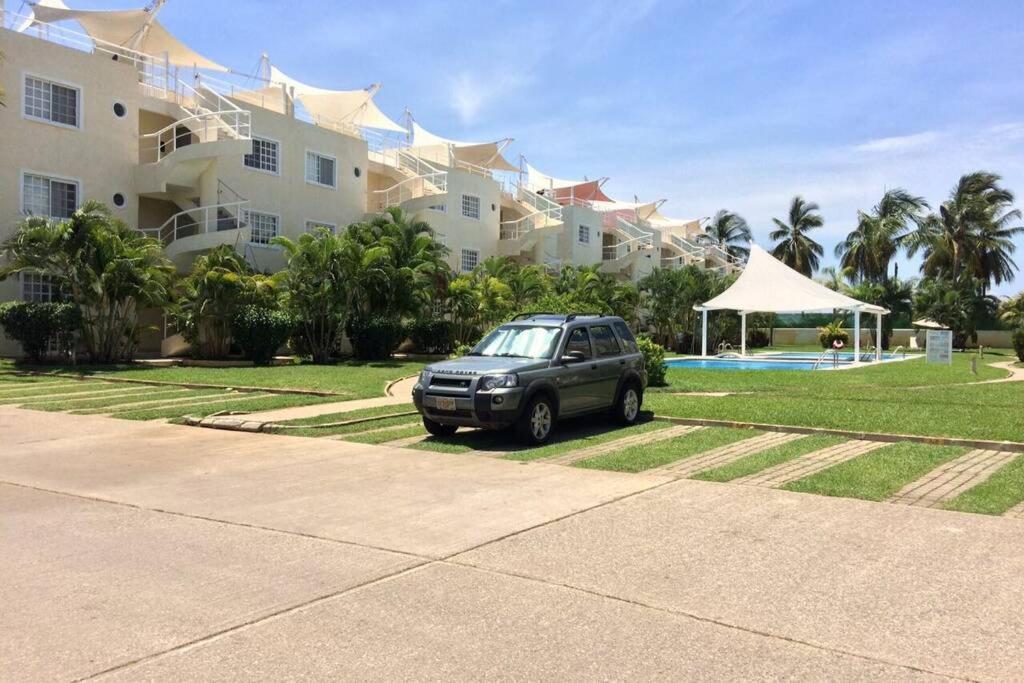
x=197 y=230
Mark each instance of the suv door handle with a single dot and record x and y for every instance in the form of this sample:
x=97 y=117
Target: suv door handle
x=622 y=361
x=593 y=366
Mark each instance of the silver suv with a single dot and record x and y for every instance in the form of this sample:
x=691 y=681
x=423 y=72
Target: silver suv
x=532 y=371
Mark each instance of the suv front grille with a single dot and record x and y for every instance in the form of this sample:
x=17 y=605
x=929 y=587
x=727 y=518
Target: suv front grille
x=450 y=382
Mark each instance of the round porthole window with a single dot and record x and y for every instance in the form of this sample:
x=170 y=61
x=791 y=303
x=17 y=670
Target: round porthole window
x=119 y=199
x=358 y=172
x=493 y=207
x=120 y=111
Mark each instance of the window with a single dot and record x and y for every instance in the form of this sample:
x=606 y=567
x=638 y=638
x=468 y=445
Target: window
x=470 y=259
x=584 y=234
x=120 y=111
x=320 y=169
x=37 y=288
x=313 y=225
x=264 y=157
x=604 y=341
x=264 y=226
x=51 y=102
x=627 y=338
x=119 y=199
x=527 y=342
x=471 y=206
x=48 y=197
x=579 y=341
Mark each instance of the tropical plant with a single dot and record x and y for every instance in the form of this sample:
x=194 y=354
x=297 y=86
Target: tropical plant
x=959 y=304
x=221 y=282
x=374 y=336
x=319 y=283
x=794 y=246
x=260 y=331
x=654 y=360
x=971 y=234
x=831 y=333
x=1018 y=343
x=731 y=232
x=107 y=269
x=38 y=326
x=894 y=295
x=433 y=335
x=836 y=279
x=867 y=251
x=1011 y=310
x=669 y=295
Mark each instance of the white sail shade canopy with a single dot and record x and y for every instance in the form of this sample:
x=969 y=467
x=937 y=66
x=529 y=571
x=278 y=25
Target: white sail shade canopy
x=561 y=189
x=133 y=29
x=436 y=148
x=639 y=209
x=354 y=107
x=767 y=285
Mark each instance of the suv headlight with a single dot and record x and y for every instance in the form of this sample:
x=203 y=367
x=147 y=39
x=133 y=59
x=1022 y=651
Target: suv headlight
x=425 y=378
x=490 y=382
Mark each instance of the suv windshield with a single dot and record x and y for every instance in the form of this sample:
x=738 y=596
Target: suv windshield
x=519 y=341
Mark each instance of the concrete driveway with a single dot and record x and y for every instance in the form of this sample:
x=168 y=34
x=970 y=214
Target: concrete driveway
x=149 y=551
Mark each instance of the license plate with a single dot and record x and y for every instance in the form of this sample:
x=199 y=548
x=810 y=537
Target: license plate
x=444 y=404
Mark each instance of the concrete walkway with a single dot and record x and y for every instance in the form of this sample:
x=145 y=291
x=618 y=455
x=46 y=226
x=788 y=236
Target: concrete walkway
x=724 y=455
x=952 y=478
x=809 y=464
x=618 y=444
x=148 y=551
x=1016 y=512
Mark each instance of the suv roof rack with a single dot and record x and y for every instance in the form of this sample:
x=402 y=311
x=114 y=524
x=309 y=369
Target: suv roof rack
x=573 y=316
x=534 y=314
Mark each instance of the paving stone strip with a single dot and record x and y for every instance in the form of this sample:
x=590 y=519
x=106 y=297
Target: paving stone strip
x=51 y=398
x=724 y=455
x=1016 y=512
x=952 y=478
x=14 y=387
x=407 y=441
x=371 y=430
x=809 y=464
x=89 y=396
x=170 y=403
x=612 y=446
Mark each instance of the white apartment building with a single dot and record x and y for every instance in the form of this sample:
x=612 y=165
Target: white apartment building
x=108 y=105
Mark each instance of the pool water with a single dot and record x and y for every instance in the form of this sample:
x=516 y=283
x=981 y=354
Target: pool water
x=846 y=356
x=743 y=364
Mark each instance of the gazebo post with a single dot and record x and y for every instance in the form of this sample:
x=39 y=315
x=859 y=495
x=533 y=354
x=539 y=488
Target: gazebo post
x=704 y=332
x=743 y=333
x=856 y=335
x=878 y=336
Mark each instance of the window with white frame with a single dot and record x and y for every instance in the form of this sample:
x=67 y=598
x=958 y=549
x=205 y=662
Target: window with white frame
x=470 y=260
x=265 y=156
x=263 y=226
x=38 y=288
x=471 y=206
x=48 y=197
x=51 y=102
x=584 y=234
x=320 y=169
x=313 y=225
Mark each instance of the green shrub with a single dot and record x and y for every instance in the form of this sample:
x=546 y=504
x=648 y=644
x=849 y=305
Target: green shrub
x=433 y=335
x=654 y=360
x=832 y=332
x=260 y=331
x=757 y=339
x=1018 y=343
x=374 y=337
x=38 y=325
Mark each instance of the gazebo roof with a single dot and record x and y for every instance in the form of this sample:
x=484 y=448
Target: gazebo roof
x=767 y=285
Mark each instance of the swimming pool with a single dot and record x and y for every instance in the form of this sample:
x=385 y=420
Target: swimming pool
x=844 y=356
x=746 y=364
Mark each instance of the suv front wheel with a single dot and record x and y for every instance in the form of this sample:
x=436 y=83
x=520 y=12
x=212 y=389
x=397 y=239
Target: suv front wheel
x=627 y=408
x=438 y=429
x=537 y=422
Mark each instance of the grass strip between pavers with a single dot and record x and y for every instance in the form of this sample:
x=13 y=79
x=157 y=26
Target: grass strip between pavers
x=155 y=397
x=352 y=428
x=586 y=441
x=997 y=494
x=644 y=457
x=240 y=404
x=879 y=474
x=37 y=392
x=192 y=396
x=388 y=435
x=349 y=415
x=775 y=455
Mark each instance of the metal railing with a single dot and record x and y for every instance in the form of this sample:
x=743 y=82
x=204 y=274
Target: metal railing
x=424 y=185
x=197 y=129
x=689 y=249
x=545 y=213
x=198 y=221
x=623 y=249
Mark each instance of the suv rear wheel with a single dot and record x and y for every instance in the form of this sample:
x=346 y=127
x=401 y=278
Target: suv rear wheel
x=438 y=429
x=627 y=408
x=537 y=422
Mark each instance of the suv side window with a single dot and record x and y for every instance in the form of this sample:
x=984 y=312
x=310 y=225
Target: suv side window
x=627 y=338
x=604 y=341
x=579 y=340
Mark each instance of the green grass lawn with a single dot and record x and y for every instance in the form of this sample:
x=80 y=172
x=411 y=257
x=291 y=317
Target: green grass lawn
x=138 y=396
x=644 y=457
x=885 y=398
x=246 y=405
x=354 y=428
x=768 y=458
x=879 y=474
x=1000 y=492
x=351 y=380
x=415 y=429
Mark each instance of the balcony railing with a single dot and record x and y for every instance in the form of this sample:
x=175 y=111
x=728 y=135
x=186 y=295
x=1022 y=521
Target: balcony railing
x=428 y=184
x=545 y=213
x=196 y=129
x=198 y=221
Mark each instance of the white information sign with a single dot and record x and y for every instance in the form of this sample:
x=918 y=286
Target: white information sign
x=939 y=345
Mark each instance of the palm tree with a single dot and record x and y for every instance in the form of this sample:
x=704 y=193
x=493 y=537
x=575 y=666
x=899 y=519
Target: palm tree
x=526 y=284
x=1011 y=310
x=794 y=246
x=107 y=269
x=731 y=232
x=867 y=250
x=972 y=233
x=836 y=279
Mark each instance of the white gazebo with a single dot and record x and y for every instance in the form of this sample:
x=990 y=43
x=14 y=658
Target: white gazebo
x=767 y=285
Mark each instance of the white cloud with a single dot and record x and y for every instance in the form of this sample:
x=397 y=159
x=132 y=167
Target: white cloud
x=900 y=143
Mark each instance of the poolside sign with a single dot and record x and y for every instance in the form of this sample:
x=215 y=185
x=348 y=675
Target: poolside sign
x=940 y=346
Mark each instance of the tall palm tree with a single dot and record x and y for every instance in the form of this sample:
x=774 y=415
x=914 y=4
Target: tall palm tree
x=526 y=284
x=794 y=246
x=731 y=232
x=870 y=247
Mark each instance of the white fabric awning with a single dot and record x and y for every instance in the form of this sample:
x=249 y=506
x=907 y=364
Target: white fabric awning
x=355 y=107
x=562 y=189
x=767 y=285
x=484 y=154
x=133 y=29
x=639 y=209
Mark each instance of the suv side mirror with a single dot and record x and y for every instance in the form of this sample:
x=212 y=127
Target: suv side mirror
x=573 y=357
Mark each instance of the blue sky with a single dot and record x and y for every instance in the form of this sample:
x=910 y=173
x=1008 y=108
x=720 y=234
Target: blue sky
x=711 y=104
